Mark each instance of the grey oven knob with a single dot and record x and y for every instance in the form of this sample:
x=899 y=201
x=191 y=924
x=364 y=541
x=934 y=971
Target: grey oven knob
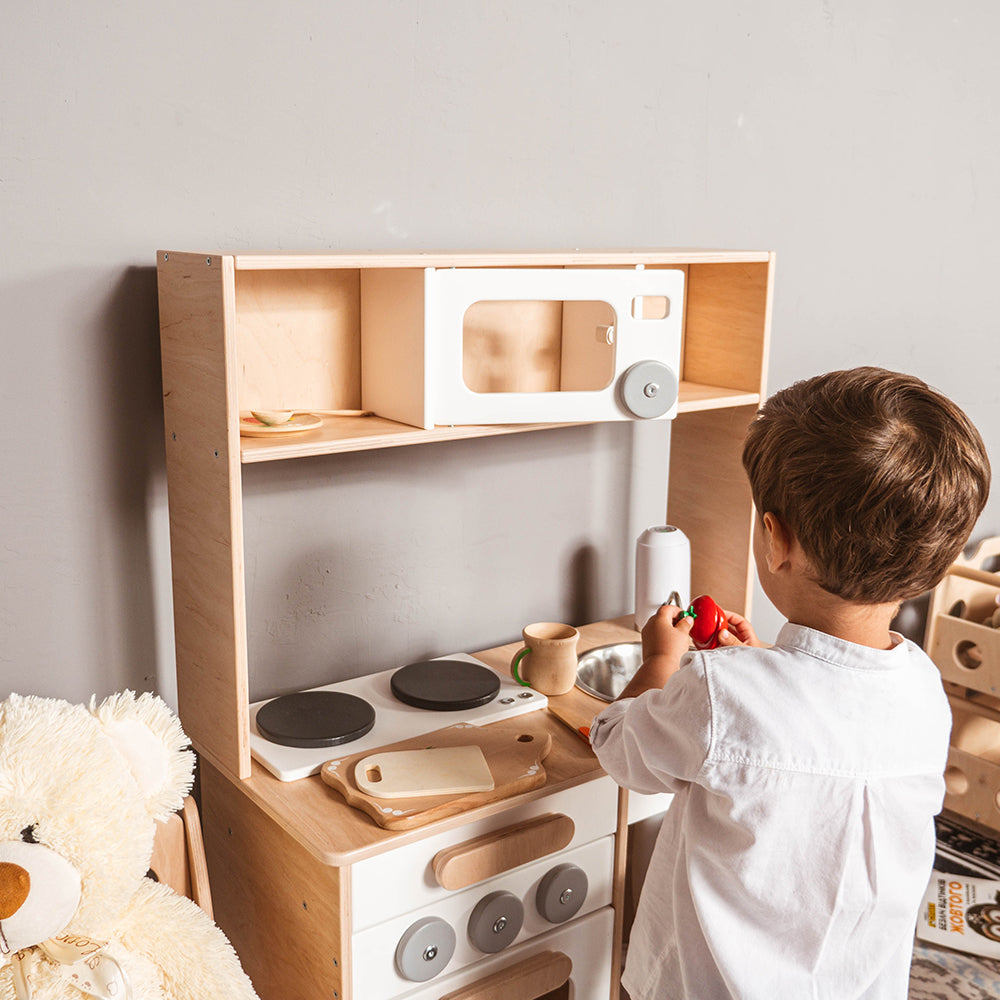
x=425 y=949
x=648 y=389
x=561 y=893
x=495 y=921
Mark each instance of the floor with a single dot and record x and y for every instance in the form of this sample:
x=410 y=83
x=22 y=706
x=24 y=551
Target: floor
x=941 y=974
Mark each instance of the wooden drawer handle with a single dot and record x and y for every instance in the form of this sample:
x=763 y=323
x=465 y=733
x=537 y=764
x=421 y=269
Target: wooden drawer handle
x=528 y=980
x=499 y=851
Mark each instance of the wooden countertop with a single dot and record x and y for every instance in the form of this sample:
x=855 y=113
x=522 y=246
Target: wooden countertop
x=335 y=833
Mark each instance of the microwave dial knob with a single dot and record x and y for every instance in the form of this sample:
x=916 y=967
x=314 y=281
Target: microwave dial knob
x=561 y=893
x=648 y=389
x=424 y=949
x=496 y=921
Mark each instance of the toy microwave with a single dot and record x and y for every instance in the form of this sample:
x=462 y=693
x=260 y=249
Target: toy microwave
x=521 y=345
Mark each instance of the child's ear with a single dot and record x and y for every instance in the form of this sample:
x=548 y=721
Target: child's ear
x=778 y=543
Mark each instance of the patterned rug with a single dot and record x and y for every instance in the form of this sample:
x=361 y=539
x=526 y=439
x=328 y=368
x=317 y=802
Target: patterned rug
x=940 y=973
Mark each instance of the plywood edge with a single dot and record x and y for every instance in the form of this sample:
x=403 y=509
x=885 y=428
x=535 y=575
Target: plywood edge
x=513 y=258
x=196 y=301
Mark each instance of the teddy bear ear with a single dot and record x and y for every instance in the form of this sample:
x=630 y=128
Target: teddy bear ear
x=150 y=738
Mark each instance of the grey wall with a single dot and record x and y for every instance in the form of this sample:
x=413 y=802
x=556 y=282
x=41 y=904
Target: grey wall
x=858 y=140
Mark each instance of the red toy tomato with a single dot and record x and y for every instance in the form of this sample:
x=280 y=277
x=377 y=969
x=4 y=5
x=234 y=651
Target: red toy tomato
x=709 y=620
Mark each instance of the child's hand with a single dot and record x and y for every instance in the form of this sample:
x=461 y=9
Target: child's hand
x=739 y=633
x=666 y=634
x=665 y=639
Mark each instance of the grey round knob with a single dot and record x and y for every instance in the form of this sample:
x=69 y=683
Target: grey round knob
x=648 y=389
x=424 y=949
x=561 y=893
x=496 y=921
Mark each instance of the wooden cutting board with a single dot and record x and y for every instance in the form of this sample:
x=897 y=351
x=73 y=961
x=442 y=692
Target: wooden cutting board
x=403 y=774
x=514 y=750
x=575 y=718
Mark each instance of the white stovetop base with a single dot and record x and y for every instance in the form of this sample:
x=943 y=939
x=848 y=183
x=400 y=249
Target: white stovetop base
x=394 y=721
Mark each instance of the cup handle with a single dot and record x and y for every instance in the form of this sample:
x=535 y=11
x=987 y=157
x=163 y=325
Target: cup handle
x=513 y=665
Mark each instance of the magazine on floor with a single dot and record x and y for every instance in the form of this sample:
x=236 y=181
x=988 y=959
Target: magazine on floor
x=963 y=913
x=961 y=907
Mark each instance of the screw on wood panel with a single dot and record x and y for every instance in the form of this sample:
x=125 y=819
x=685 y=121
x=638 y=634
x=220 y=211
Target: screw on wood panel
x=304 y=906
x=208 y=260
x=336 y=964
x=166 y=256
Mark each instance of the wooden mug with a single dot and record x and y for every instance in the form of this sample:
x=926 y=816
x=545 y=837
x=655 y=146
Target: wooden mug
x=549 y=657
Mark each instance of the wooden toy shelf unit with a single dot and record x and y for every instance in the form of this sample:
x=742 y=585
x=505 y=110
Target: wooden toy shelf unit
x=408 y=349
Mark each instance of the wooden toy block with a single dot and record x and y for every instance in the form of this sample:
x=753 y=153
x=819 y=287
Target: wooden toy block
x=972 y=778
x=963 y=626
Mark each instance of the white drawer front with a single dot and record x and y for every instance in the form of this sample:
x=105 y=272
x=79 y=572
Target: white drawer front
x=402 y=880
x=375 y=975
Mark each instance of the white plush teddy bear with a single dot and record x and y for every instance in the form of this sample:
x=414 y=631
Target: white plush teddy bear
x=81 y=790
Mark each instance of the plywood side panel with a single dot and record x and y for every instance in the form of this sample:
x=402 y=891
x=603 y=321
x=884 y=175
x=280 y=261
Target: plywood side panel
x=286 y=914
x=392 y=345
x=204 y=494
x=710 y=501
x=299 y=340
x=728 y=321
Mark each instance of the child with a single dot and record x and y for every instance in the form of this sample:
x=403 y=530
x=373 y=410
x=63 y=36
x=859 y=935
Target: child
x=806 y=776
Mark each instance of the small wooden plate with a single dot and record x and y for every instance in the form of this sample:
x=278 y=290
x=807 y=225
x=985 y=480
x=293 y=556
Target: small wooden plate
x=250 y=426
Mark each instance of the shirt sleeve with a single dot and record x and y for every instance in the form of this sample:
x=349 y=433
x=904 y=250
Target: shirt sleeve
x=658 y=741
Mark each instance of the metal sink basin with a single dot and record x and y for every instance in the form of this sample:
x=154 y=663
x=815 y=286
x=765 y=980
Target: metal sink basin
x=604 y=672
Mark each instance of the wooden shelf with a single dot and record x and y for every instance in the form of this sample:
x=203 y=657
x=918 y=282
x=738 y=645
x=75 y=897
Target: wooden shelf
x=343 y=434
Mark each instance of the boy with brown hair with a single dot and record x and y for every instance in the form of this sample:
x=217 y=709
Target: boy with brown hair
x=806 y=775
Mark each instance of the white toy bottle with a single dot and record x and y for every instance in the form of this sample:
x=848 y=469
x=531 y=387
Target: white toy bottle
x=662 y=571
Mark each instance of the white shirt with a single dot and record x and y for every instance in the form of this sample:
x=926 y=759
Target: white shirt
x=800 y=839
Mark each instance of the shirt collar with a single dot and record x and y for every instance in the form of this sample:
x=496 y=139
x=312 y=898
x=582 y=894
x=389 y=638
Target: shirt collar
x=827 y=647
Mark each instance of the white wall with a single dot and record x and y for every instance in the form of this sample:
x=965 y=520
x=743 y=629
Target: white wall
x=858 y=140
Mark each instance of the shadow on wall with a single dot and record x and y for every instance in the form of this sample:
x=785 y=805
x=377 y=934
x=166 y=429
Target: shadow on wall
x=584 y=603
x=132 y=395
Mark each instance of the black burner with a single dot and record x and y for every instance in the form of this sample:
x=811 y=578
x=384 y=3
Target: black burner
x=445 y=685
x=315 y=719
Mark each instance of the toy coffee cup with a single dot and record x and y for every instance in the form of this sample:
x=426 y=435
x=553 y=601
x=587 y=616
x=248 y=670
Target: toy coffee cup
x=548 y=657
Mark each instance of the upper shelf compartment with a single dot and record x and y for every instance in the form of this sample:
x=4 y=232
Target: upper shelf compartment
x=490 y=343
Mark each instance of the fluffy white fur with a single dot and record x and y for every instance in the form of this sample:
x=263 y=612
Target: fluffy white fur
x=90 y=783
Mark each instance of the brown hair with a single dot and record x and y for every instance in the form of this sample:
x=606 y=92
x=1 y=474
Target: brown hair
x=879 y=477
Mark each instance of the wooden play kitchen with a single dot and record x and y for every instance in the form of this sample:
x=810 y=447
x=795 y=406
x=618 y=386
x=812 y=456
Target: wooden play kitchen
x=457 y=890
